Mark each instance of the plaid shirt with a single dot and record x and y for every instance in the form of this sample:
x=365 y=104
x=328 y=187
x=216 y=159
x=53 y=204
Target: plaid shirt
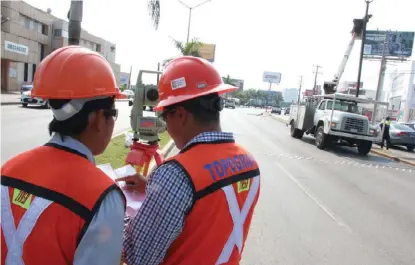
x=161 y=218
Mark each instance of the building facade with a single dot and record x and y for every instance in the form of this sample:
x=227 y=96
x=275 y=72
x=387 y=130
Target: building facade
x=400 y=92
x=29 y=34
x=290 y=95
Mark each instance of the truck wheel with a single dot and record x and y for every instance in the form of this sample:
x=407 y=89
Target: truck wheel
x=410 y=148
x=292 y=129
x=364 y=147
x=24 y=105
x=300 y=134
x=322 y=139
x=296 y=133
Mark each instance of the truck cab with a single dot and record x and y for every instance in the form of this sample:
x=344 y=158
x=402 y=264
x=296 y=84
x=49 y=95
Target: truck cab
x=335 y=118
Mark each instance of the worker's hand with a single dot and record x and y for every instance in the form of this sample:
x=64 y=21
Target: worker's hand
x=135 y=182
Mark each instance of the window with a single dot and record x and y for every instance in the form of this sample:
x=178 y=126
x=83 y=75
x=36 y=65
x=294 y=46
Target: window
x=98 y=48
x=27 y=22
x=322 y=105
x=42 y=51
x=26 y=72
x=345 y=106
x=33 y=71
x=61 y=33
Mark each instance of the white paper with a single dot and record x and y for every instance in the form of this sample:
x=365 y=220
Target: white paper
x=134 y=199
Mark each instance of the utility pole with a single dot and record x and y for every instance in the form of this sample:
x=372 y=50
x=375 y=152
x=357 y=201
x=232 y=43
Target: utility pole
x=381 y=77
x=190 y=15
x=362 y=46
x=129 y=78
x=158 y=75
x=75 y=19
x=315 y=78
x=299 y=90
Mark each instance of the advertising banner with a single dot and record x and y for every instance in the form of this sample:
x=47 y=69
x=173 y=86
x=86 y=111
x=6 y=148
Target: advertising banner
x=271 y=77
x=308 y=93
x=124 y=77
x=398 y=44
x=207 y=52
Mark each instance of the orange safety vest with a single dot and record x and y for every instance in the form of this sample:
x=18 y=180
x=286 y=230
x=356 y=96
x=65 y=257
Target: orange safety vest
x=225 y=179
x=49 y=196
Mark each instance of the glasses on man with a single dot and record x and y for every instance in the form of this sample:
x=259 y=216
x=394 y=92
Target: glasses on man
x=111 y=113
x=163 y=115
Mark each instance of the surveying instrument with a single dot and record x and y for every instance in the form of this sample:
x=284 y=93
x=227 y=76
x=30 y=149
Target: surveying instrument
x=146 y=129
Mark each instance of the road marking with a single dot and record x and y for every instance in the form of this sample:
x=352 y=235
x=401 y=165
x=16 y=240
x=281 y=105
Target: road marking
x=314 y=199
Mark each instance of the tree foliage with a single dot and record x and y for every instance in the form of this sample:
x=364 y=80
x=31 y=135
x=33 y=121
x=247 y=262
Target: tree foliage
x=191 y=48
x=154 y=11
x=253 y=94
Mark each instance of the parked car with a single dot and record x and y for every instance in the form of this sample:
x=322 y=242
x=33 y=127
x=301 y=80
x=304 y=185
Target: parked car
x=410 y=124
x=25 y=87
x=26 y=99
x=230 y=104
x=276 y=109
x=401 y=135
x=129 y=93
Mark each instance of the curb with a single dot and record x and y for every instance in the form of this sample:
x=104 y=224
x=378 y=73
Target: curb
x=120 y=133
x=278 y=118
x=394 y=158
x=10 y=103
x=164 y=152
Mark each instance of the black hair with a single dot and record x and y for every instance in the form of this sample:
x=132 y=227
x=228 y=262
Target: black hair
x=205 y=109
x=78 y=123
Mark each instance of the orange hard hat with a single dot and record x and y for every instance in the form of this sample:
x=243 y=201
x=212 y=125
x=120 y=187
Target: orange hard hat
x=189 y=77
x=74 y=72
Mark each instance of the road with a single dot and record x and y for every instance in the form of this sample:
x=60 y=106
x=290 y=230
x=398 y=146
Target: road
x=324 y=207
x=26 y=128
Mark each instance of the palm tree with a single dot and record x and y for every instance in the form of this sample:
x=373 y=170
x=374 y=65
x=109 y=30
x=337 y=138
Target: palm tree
x=154 y=10
x=191 y=48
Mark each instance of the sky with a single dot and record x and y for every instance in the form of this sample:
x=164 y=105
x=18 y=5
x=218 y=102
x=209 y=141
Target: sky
x=251 y=37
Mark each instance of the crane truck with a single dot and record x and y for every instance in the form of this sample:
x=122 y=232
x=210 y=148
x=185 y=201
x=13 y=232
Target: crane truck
x=334 y=117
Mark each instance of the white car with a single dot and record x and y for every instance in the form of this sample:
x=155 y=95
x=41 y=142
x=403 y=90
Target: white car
x=129 y=93
x=27 y=99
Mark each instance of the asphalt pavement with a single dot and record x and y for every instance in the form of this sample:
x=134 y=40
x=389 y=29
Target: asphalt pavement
x=323 y=207
x=26 y=128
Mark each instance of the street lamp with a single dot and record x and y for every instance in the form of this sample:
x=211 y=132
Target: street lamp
x=190 y=14
x=365 y=20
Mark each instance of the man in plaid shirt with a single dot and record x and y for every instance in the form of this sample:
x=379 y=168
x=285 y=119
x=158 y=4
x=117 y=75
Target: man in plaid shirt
x=189 y=216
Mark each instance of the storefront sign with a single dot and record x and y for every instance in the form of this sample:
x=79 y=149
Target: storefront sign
x=17 y=48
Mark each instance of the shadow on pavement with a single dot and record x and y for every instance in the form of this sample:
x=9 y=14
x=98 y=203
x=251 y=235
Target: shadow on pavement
x=349 y=152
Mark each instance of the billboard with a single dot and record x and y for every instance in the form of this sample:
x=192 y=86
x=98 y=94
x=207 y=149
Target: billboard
x=308 y=93
x=399 y=44
x=207 y=51
x=124 y=78
x=271 y=77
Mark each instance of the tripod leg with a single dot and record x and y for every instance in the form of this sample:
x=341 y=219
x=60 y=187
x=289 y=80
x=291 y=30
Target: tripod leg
x=146 y=166
x=158 y=159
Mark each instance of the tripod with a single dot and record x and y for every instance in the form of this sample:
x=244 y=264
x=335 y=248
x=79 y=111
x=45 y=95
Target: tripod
x=140 y=155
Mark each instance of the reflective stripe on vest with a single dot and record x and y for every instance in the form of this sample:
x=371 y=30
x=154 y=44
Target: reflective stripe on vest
x=238 y=218
x=15 y=238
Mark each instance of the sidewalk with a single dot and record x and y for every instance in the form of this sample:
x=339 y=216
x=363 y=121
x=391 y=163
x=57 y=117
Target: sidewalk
x=281 y=118
x=11 y=98
x=395 y=154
